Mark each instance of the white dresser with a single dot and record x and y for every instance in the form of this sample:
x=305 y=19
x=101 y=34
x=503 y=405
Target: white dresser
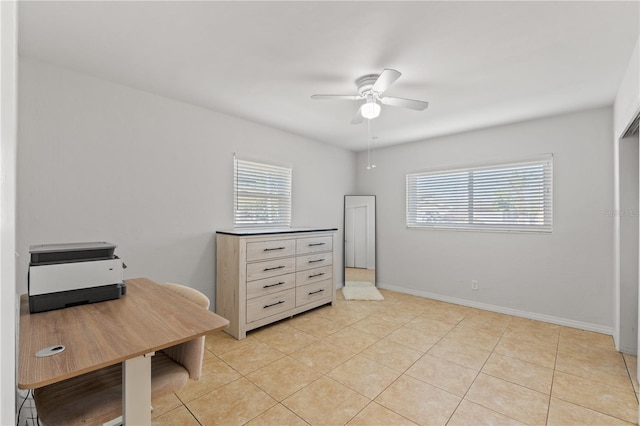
x=264 y=276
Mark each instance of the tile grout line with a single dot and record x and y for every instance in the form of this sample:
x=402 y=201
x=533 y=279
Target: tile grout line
x=191 y=412
x=615 y=416
x=323 y=374
x=327 y=373
x=474 y=380
x=553 y=377
x=624 y=358
x=584 y=378
x=373 y=400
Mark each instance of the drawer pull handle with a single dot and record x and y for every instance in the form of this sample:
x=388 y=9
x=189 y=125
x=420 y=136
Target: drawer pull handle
x=316 y=244
x=317 y=260
x=273 y=304
x=316 y=292
x=275 y=248
x=316 y=275
x=273 y=285
x=274 y=268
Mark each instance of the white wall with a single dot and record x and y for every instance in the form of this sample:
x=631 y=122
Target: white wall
x=8 y=299
x=563 y=277
x=628 y=217
x=103 y=162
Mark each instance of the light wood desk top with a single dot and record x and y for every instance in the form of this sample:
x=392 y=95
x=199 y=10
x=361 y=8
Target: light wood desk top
x=148 y=318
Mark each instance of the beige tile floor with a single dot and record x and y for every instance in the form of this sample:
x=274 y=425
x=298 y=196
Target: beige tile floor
x=405 y=361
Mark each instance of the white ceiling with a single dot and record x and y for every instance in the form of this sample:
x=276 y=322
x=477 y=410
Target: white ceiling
x=477 y=63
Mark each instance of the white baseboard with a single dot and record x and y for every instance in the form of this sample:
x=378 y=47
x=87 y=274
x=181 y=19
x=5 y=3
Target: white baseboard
x=503 y=310
x=628 y=350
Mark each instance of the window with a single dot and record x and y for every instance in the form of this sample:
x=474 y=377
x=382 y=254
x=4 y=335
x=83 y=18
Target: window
x=505 y=197
x=262 y=195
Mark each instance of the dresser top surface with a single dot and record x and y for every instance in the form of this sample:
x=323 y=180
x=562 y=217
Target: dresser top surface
x=269 y=231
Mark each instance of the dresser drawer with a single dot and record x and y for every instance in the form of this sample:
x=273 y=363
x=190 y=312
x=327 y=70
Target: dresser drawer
x=314 y=245
x=311 y=261
x=270 y=268
x=314 y=292
x=261 y=250
x=271 y=304
x=270 y=285
x=313 y=275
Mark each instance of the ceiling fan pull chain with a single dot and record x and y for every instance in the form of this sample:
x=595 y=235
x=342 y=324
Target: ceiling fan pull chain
x=373 y=147
x=369 y=144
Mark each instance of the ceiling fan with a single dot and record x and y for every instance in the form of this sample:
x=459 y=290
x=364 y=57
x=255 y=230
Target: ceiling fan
x=370 y=88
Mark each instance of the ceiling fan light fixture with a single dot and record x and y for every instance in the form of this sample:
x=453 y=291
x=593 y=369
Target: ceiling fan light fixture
x=370 y=110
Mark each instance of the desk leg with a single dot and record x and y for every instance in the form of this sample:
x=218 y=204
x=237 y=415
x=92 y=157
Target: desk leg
x=136 y=390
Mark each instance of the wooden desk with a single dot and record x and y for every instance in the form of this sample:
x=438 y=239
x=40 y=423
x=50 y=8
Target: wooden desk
x=148 y=318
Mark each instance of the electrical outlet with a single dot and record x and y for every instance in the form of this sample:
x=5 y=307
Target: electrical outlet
x=474 y=285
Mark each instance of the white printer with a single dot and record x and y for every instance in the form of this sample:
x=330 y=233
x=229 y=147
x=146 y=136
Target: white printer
x=63 y=275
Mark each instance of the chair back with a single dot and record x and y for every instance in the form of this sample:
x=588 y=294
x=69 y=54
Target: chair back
x=189 y=354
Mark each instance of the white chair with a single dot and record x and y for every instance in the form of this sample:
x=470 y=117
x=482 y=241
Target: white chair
x=96 y=397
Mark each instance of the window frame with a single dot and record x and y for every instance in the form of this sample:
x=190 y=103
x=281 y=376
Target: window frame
x=280 y=198
x=546 y=227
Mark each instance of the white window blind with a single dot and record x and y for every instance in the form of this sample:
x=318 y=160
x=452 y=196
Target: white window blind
x=507 y=197
x=262 y=195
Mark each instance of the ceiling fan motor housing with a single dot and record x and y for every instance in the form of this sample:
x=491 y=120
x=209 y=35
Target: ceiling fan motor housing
x=365 y=84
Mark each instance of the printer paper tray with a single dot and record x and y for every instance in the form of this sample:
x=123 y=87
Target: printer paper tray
x=65 y=299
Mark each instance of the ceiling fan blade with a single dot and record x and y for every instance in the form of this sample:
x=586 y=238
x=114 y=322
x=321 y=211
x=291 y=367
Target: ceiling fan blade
x=385 y=79
x=405 y=103
x=358 y=118
x=346 y=97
